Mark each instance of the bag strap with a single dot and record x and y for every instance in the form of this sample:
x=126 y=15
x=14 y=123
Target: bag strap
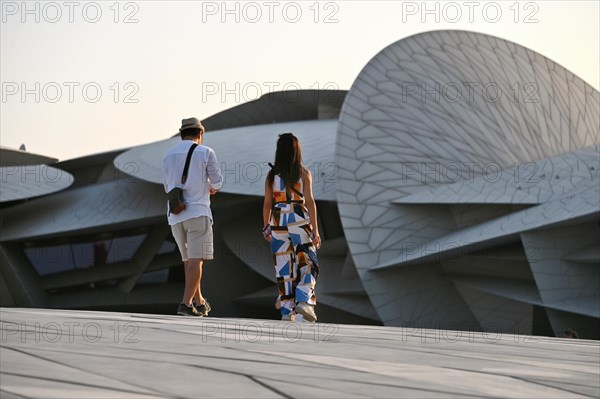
x=293 y=188
x=187 y=163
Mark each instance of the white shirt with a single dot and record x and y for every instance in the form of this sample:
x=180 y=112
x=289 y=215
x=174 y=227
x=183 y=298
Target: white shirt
x=203 y=166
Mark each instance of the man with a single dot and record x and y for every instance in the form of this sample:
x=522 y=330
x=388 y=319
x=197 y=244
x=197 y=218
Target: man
x=192 y=228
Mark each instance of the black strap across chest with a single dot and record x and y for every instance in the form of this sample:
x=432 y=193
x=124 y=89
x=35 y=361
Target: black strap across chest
x=187 y=163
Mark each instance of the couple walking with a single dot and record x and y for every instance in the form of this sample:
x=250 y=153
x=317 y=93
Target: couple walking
x=289 y=216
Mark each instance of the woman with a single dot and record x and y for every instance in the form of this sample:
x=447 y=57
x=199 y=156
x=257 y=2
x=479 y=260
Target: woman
x=290 y=219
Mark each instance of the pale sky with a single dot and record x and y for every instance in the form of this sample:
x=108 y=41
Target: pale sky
x=177 y=58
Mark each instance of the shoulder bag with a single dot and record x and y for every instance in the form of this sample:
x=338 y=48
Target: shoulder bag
x=175 y=196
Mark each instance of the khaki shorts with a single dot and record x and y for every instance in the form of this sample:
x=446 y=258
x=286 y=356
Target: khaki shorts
x=194 y=238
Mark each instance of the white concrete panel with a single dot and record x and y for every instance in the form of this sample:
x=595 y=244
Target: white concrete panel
x=244 y=154
x=29 y=181
x=89 y=207
x=14 y=157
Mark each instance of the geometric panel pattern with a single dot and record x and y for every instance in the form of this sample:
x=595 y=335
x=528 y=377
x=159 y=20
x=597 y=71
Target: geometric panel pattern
x=450 y=118
x=581 y=201
x=530 y=183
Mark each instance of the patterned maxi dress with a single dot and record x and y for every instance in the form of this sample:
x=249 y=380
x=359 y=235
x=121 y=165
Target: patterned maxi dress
x=294 y=255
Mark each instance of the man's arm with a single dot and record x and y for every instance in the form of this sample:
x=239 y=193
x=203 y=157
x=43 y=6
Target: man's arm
x=165 y=175
x=213 y=171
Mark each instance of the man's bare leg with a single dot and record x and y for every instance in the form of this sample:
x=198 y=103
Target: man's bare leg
x=193 y=274
x=198 y=298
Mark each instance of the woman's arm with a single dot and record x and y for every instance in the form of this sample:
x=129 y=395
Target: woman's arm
x=311 y=206
x=267 y=204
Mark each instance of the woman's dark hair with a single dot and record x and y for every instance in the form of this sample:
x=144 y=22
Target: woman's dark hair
x=288 y=160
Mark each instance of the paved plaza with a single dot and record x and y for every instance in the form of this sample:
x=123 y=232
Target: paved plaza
x=61 y=353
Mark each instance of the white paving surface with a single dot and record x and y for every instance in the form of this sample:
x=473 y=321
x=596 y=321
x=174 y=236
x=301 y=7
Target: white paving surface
x=58 y=354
